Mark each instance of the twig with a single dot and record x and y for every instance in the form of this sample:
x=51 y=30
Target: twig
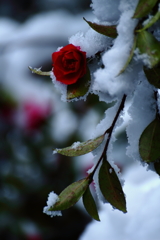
x=109 y=131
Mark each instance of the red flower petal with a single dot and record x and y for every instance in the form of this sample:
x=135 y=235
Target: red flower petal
x=69 y=64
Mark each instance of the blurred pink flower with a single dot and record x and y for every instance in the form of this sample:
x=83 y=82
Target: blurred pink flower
x=34 y=237
x=32 y=115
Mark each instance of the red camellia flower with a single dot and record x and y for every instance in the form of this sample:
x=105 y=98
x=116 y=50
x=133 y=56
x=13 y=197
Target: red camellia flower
x=69 y=64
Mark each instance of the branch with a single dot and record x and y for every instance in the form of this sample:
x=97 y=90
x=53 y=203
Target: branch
x=109 y=131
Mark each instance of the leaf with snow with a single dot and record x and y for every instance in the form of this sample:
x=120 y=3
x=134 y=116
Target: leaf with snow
x=70 y=195
x=90 y=205
x=109 y=31
x=149 y=143
x=80 y=88
x=52 y=199
x=144 y=7
x=78 y=149
x=148 y=44
x=39 y=72
x=110 y=186
x=151 y=21
x=129 y=57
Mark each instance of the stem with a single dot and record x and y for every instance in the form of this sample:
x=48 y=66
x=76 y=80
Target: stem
x=38 y=71
x=156 y=98
x=109 y=131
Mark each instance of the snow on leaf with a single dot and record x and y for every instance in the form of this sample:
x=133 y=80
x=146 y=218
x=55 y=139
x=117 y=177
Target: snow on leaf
x=52 y=199
x=148 y=44
x=70 y=195
x=109 y=31
x=144 y=7
x=90 y=205
x=151 y=21
x=110 y=187
x=149 y=143
x=78 y=149
x=129 y=57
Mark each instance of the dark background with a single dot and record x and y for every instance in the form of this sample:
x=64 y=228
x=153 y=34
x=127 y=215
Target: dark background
x=28 y=170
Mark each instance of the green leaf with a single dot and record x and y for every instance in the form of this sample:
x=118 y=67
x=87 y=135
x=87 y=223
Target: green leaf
x=7 y=99
x=90 y=205
x=80 y=88
x=144 y=7
x=148 y=44
x=78 y=149
x=151 y=21
x=157 y=167
x=153 y=75
x=39 y=72
x=129 y=57
x=109 y=31
x=70 y=195
x=149 y=143
x=110 y=187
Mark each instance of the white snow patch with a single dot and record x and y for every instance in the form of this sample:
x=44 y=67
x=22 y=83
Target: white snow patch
x=75 y=145
x=142 y=111
x=62 y=88
x=114 y=59
x=52 y=199
x=145 y=58
x=91 y=42
x=106 y=10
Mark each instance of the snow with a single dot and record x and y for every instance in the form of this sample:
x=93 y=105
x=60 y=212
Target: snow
x=106 y=122
x=62 y=88
x=91 y=42
x=106 y=10
x=142 y=57
x=52 y=199
x=106 y=80
x=142 y=111
x=75 y=145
